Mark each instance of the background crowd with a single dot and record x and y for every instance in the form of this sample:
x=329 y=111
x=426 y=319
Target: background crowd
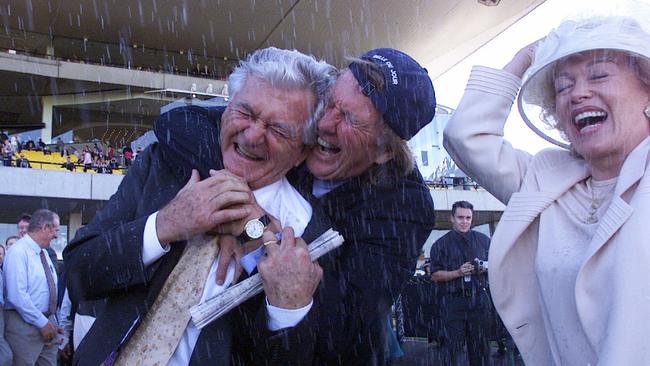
x=99 y=157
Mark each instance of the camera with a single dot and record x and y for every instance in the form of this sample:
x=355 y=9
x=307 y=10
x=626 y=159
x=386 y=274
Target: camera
x=480 y=265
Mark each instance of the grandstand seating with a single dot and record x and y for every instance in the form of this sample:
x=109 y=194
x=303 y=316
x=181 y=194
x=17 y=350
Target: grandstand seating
x=53 y=161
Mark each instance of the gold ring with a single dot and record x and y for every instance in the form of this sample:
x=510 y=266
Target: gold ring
x=270 y=242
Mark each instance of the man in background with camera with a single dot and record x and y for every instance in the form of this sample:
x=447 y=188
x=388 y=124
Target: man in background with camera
x=459 y=264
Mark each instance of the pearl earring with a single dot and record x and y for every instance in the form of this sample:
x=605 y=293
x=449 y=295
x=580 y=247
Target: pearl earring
x=646 y=111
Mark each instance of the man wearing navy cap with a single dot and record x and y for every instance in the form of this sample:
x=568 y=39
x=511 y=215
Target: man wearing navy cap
x=365 y=178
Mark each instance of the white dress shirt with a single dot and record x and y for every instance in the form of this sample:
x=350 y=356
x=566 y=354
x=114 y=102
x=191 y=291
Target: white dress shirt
x=279 y=200
x=25 y=281
x=63 y=318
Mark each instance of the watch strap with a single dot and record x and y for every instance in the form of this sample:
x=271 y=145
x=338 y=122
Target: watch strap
x=243 y=237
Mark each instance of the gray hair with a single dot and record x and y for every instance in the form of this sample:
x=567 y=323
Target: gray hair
x=285 y=69
x=40 y=218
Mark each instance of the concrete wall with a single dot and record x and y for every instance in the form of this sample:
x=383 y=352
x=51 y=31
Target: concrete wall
x=44 y=183
x=56 y=184
x=102 y=74
x=443 y=199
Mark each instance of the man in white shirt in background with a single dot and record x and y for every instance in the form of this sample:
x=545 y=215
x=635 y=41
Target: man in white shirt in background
x=31 y=281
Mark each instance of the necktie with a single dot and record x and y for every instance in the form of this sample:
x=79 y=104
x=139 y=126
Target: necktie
x=156 y=339
x=51 y=308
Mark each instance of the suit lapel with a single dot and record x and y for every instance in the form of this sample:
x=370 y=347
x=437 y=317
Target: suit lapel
x=214 y=343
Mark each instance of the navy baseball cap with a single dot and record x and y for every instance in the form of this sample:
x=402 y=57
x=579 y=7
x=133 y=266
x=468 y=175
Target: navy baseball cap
x=407 y=101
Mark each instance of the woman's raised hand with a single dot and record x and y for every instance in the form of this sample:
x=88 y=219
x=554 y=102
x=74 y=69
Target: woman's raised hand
x=522 y=60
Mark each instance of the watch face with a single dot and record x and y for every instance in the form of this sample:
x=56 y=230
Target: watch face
x=254 y=229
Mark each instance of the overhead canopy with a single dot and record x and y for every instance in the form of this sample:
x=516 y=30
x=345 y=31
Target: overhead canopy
x=438 y=33
x=188 y=36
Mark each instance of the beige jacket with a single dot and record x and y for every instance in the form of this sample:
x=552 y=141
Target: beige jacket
x=612 y=289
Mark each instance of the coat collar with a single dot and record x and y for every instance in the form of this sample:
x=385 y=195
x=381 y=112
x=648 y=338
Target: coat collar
x=559 y=177
x=619 y=210
x=556 y=179
x=633 y=168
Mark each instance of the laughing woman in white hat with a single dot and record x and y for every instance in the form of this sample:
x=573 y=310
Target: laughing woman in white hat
x=569 y=261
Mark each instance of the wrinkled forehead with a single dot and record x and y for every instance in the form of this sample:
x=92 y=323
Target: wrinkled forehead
x=345 y=82
x=346 y=90
x=262 y=96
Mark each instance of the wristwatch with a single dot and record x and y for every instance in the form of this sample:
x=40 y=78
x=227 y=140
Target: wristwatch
x=254 y=229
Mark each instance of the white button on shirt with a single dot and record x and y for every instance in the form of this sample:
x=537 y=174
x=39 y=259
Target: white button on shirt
x=278 y=199
x=25 y=281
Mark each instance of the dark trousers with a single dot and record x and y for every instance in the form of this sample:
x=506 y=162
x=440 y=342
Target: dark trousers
x=466 y=322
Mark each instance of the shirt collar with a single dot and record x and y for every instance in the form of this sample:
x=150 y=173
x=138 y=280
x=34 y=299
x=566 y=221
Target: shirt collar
x=32 y=244
x=466 y=235
x=266 y=195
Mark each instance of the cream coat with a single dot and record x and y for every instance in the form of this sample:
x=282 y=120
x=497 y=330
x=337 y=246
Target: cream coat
x=612 y=289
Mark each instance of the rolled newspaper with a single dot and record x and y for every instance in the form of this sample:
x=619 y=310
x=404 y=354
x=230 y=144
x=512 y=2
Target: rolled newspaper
x=209 y=310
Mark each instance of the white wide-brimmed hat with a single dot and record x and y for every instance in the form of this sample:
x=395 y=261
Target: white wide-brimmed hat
x=537 y=94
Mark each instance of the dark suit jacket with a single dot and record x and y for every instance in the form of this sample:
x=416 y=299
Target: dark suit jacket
x=384 y=226
x=105 y=258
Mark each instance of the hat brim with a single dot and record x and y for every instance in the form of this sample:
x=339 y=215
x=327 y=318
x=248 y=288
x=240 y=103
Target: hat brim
x=531 y=101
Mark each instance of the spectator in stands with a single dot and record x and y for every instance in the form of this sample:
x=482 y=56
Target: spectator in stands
x=10 y=241
x=23 y=224
x=4 y=135
x=114 y=164
x=41 y=144
x=69 y=165
x=23 y=162
x=29 y=145
x=19 y=143
x=128 y=155
x=103 y=168
x=31 y=282
x=60 y=146
x=87 y=160
x=97 y=151
x=110 y=153
x=8 y=152
x=14 y=143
